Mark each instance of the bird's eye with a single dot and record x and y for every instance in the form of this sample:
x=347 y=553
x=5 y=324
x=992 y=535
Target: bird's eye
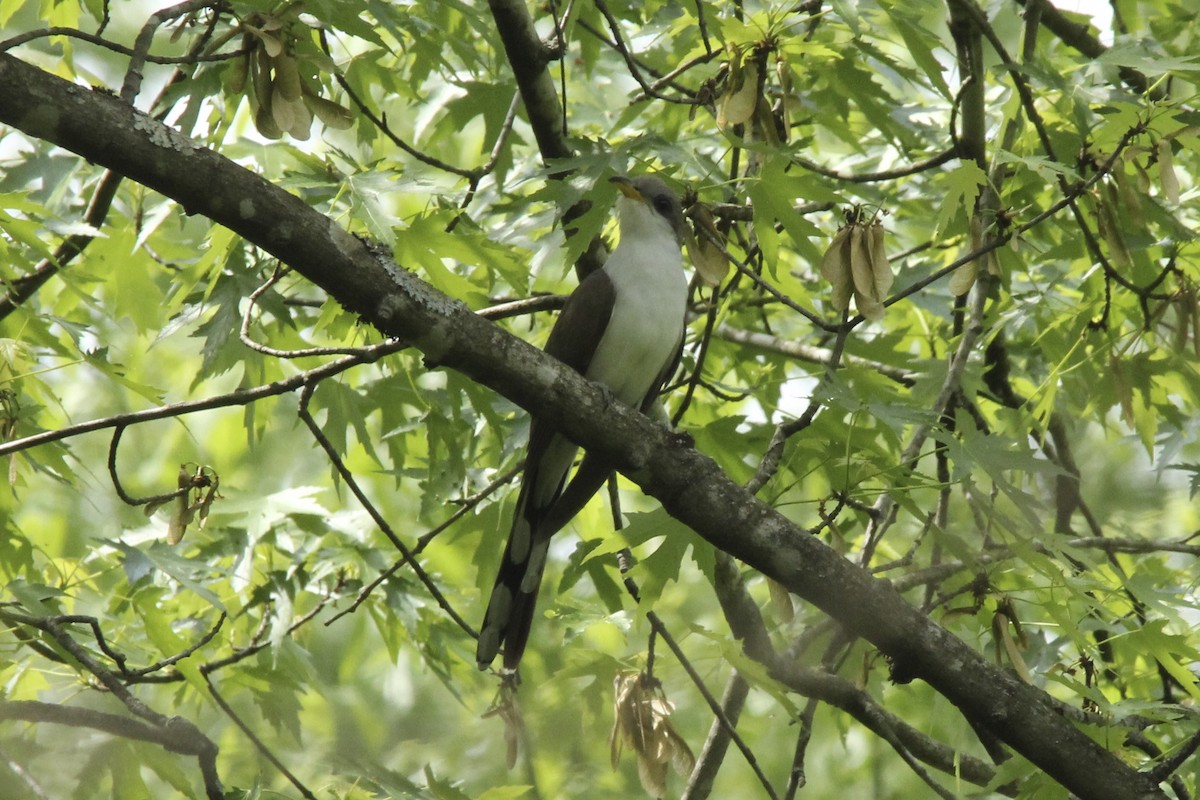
x=662 y=204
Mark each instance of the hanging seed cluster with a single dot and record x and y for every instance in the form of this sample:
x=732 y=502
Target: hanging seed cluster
x=642 y=722
x=706 y=247
x=741 y=92
x=282 y=99
x=856 y=263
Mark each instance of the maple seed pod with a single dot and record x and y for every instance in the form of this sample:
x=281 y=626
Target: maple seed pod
x=1166 y=172
x=880 y=266
x=861 y=271
x=1110 y=229
x=260 y=72
x=181 y=516
x=330 y=113
x=710 y=263
x=964 y=277
x=239 y=70
x=302 y=119
x=641 y=720
x=835 y=267
x=287 y=77
x=1183 y=322
x=740 y=97
x=273 y=45
x=282 y=112
x=264 y=121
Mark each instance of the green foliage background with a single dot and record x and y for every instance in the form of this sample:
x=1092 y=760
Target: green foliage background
x=1102 y=346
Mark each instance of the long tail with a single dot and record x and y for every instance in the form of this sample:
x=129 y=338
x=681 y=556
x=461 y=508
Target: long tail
x=510 y=610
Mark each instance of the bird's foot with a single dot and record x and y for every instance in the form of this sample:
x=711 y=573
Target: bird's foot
x=681 y=439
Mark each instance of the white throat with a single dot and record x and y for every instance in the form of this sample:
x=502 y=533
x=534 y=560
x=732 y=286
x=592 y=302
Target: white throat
x=647 y=320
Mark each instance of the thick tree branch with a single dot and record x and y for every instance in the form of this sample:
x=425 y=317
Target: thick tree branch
x=690 y=485
x=529 y=57
x=177 y=734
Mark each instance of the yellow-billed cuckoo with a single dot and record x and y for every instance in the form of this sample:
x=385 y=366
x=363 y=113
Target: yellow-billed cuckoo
x=622 y=328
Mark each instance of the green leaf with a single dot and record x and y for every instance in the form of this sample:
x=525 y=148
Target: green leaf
x=960 y=186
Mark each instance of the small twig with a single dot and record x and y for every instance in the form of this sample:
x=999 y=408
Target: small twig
x=497 y=150
x=174 y=733
x=182 y=654
x=33 y=787
x=710 y=321
x=528 y=305
x=244 y=331
x=758 y=280
x=773 y=455
x=716 y=746
x=1182 y=753
x=810 y=354
x=141 y=46
x=797 y=777
x=618 y=43
x=258 y=642
x=1002 y=238
x=116 y=480
x=380 y=122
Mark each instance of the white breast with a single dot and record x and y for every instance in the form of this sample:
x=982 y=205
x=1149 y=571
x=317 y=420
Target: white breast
x=647 y=318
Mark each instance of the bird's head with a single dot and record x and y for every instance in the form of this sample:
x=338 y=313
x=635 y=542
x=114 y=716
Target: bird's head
x=648 y=206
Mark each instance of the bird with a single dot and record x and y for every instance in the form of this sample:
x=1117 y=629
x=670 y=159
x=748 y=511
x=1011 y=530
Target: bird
x=622 y=328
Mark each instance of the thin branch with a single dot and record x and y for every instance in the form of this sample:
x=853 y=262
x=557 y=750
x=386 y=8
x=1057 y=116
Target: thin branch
x=879 y=175
x=810 y=354
x=23 y=775
x=696 y=379
x=239 y=397
x=382 y=523
x=712 y=755
x=618 y=44
x=425 y=539
x=758 y=281
x=256 y=741
x=528 y=305
x=1003 y=237
x=844 y=695
x=176 y=734
x=884 y=505
x=1029 y=105
x=24 y=287
x=1078 y=35
x=380 y=122
x=1182 y=753
x=773 y=455
x=116 y=479
x=797 y=777
x=116 y=47
x=624 y=560
x=494 y=157
x=258 y=642
x=182 y=654
x=141 y=45
x=244 y=331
